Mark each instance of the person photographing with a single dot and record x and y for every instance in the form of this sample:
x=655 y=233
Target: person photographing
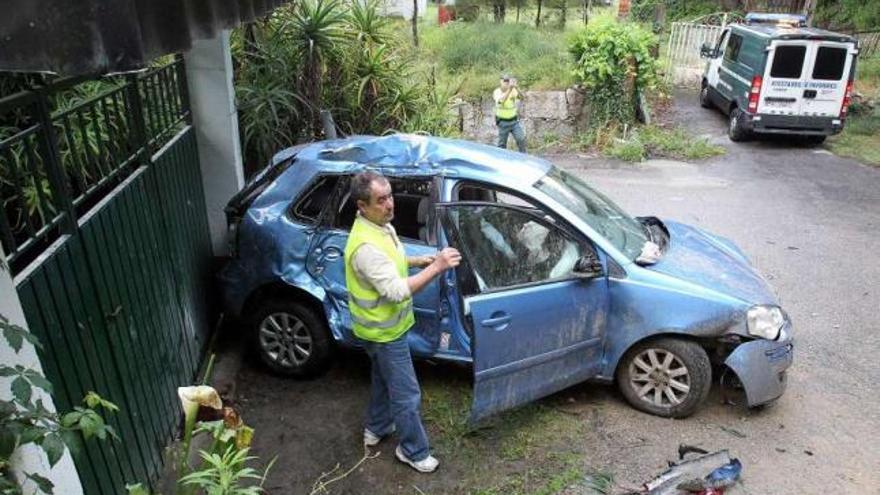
x=507 y=100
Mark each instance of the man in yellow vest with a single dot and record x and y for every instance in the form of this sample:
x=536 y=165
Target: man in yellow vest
x=507 y=100
x=380 y=301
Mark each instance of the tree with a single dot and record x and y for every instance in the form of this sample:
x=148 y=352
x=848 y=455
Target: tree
x=538 y=16
x=415 y=23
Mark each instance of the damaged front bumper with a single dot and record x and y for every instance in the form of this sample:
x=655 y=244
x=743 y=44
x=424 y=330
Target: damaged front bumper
x=761 y=366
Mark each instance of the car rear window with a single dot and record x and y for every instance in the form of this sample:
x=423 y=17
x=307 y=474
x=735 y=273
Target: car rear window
x=788 y=61
x=310 y=205
x=829 y=63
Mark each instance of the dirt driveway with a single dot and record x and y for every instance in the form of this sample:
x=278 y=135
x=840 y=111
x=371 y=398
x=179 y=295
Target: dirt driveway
x=808 y=220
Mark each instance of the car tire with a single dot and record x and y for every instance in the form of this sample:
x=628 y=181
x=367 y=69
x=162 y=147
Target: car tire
x=736 y=129
x=291 y=339
x=666 y=377
x=705 y=100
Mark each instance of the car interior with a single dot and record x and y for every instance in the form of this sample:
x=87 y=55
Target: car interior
x=412 y=203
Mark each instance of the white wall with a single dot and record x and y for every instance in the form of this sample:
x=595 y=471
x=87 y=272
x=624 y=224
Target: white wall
x=30 y=459
x=215 y=119
x=403 y=8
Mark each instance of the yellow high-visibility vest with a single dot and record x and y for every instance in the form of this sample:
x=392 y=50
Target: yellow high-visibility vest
x=506 y=109
x=373 y=317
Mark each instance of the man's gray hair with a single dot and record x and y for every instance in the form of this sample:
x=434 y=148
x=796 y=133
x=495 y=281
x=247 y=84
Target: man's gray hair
x=361 y=185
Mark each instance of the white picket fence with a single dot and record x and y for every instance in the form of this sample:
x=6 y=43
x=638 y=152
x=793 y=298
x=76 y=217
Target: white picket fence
x=683 y=63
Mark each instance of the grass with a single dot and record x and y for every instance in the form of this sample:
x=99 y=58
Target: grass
x=473 y=55
x=860 y=138
x=525 y=450
x=660 y=142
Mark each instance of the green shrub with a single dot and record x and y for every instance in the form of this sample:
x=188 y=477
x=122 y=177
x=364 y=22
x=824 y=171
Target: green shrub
x=614 y=61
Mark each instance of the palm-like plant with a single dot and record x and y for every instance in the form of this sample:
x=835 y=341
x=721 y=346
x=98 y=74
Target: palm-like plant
x=314 y=31
x=365 y=25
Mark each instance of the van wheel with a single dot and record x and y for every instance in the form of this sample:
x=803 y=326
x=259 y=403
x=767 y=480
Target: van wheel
x=705 y=101
x=666 y=377
x=814 y=140
x=290 y=338
x=737 y=131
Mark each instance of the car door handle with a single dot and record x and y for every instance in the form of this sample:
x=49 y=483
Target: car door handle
x=498 y=320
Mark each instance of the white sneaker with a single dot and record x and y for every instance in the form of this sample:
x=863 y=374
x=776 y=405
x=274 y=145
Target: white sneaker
x=427 y=465
x=371 y=439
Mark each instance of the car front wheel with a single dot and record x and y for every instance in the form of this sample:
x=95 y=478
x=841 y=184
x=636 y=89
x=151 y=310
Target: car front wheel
x=290 y=338
x=667 y=377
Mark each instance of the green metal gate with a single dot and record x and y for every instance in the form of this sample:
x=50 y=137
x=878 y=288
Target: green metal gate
x=111 y=252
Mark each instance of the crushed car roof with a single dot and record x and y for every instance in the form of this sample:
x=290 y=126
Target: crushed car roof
x=410 y=154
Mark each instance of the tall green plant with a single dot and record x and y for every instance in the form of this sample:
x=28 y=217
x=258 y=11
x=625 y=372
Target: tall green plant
x=315 y=32
x=613 y=60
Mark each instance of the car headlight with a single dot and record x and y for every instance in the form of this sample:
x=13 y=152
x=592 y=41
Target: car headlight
x=765 y=321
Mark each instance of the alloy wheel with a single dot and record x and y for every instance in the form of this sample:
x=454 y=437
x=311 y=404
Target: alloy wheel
x=659 y=377
x=285 y=339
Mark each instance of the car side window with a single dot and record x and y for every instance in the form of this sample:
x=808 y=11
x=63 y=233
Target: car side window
x=478 y=192
x=731 y=53
x=507 y=247
x=308 y=207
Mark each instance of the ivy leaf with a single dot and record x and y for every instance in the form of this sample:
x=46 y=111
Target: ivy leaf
x=8 y=442
x=70 y=419
x=39 y=380
x=91 y=424
x=73 y=442
x=54 y=448
x=7 y=371
x=21 y=390
x=16 y=335
x=32 y=434
x=93 y=400
x=7 y=409
x=42 y=483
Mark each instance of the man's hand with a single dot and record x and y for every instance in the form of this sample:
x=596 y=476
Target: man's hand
x=447 y=258
x=420 y=261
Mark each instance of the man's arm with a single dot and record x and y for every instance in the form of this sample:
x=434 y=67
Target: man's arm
x=377 y=269
x=445 y=259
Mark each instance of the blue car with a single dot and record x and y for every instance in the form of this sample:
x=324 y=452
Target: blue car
x=557 y=285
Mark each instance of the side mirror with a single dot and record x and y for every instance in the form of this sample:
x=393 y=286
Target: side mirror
x=707 y=51
x=588 y=267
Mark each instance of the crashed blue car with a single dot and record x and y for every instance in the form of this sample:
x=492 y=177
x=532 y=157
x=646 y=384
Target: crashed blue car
x=557 y=285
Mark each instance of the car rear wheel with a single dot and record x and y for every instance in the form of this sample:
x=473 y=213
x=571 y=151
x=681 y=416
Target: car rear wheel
x=667 y=377
x=736 y=129
x=290 y=338
x=705 y=101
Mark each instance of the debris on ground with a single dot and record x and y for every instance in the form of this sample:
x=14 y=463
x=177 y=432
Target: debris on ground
x=708 y=473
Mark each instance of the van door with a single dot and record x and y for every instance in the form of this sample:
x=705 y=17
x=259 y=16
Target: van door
x=827 y=74
x=783 y=88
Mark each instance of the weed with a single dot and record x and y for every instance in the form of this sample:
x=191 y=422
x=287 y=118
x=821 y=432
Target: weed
x=652 y=142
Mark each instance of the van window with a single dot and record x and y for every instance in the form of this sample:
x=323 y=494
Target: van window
x=788 y=61
x=731 y=53
x=829 y=63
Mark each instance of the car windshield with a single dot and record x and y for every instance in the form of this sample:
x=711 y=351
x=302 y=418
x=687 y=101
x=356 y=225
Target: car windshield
x=599 y=212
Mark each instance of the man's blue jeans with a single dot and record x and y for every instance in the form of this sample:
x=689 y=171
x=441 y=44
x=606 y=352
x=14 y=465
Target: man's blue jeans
x=395 y=397
x=507 y=127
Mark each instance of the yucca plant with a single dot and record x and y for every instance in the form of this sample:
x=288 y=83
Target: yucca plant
x=366 y=25
x=315 y=32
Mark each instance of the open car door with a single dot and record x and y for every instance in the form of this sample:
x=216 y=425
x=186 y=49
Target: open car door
x=534 y=297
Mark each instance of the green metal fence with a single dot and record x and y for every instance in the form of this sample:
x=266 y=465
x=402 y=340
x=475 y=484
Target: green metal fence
x=113 y=272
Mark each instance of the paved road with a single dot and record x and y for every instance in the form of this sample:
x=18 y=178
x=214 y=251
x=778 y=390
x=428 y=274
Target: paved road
x=810 y=222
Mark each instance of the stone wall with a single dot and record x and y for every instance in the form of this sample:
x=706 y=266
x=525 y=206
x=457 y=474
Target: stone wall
x=543 y=114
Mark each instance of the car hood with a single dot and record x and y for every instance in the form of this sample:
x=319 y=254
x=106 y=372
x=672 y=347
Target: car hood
x=701 y=258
